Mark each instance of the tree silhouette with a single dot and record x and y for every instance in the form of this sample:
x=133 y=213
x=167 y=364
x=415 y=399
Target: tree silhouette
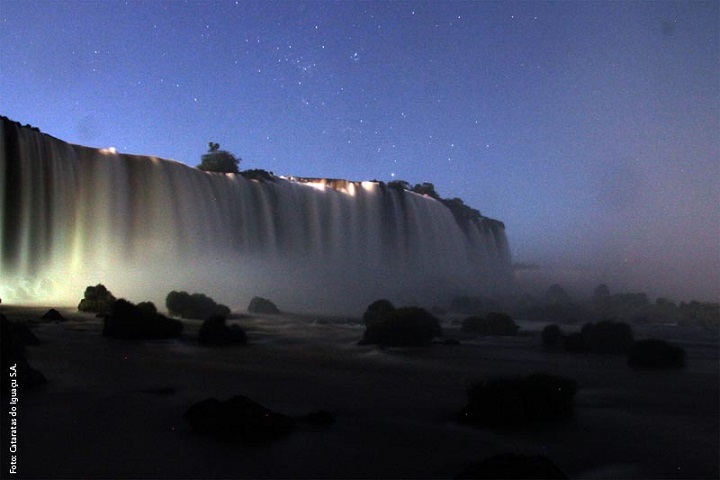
x=217 y=160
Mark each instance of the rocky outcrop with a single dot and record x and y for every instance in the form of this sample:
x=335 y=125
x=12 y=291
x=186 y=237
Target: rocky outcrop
x=262 y=305
x=129 y=321
x=406 y=326
x=15 y=366
x=513 y=465
x=97 y=299
x=242 y=419
x=654 y=353
x=519 y=401
x=196 y=305
x=53 y=315
x=216 y=331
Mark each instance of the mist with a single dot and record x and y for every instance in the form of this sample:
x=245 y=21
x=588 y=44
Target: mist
x=144 y=226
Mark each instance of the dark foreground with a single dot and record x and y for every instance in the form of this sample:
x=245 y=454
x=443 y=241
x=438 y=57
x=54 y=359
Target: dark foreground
x=113 y=408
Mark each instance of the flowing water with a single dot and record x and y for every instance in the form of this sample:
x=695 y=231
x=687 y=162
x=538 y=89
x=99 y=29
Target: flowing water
x=74 y=216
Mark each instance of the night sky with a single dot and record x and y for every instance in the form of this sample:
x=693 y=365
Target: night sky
x=590 y=128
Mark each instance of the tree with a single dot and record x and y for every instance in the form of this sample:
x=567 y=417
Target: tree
x=217 y=160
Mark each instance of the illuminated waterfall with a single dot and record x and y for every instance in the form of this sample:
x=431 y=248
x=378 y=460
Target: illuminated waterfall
x=74 y=216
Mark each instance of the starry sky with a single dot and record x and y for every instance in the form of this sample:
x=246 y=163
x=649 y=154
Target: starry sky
x=590 y=128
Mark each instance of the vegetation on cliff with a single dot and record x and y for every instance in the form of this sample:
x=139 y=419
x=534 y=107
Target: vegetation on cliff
x=216 y=160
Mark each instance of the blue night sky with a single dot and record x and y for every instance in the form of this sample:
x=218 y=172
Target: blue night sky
x=590 y=128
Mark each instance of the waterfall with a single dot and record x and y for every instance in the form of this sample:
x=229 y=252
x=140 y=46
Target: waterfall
x=73 y=216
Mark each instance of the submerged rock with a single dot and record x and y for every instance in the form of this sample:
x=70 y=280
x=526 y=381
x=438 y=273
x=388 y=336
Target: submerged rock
x=238 y=418
x=573 y=343
x=607 y=336
x=654 y=353
x=242 y=419
x=552 y=336
x=518 y=401
x=401 y=327
x=512 y=465
x=15 y=366
x=215 y=331
x=321 y=418
x=23 y=335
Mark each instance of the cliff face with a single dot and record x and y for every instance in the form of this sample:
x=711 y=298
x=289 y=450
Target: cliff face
x=73 y=216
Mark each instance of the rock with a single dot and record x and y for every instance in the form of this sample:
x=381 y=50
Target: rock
x=215 y=331
x=238 y=418
x=405 y=326
x=129 y=321
x=262 y=305
x=518 y=401
x=573 y=343
x=551 y=336
x=97 y=299
x=23 y=334
x=511 y=465
x=148 y=308
x=607 y=336
x=494 y=324
x=14 y=363
x=197 y=305
x=374 y=317
x=654 y=353
x=53 y=315
x=321 y=418
x=376 y=312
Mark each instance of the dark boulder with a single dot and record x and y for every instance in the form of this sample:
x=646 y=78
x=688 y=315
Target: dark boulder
x=374 y=317
x=215 y=331
x=196 y=305
x=148 y=308
x=607 y=336
x=654 y=353
x=15 y=366
x=321 y=418
x=23 y=334
x=377 y=311
x=53 y=315
x=97 y=299
x=512 y=465
x=573 y=343
x=262 y=305
x=494 y=323
x=129 y=321
x=401 y=327
x=238 y=418
x=518 y=401
x=551 y=336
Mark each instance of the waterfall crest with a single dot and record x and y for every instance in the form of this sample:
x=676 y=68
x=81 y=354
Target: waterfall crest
x=74 y=216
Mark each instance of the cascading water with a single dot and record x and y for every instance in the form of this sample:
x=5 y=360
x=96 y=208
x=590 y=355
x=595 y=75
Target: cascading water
x=73 y=216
